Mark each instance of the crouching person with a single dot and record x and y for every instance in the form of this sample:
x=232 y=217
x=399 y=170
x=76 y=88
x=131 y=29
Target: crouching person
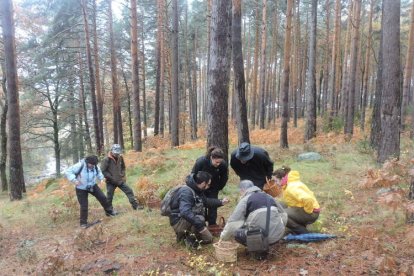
x=251 y=213
x=187 y=210
x=84 y=175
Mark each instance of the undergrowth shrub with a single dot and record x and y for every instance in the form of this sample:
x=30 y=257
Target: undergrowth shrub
x=336 y=125
x=26 y=252
x=88 y=239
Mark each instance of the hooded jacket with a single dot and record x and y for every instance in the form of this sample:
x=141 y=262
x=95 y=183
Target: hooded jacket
x=256 y=169
x=113 y=169
x=188 y=204
x=297 y=194
x=80 y=172
x=219 y=175
x=251 y=212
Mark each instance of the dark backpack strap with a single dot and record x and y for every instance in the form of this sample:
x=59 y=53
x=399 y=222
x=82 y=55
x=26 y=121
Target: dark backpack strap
x=266 y=233
x=80 y=170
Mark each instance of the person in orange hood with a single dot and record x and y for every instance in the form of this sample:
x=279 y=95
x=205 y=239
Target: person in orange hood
x=301 y=205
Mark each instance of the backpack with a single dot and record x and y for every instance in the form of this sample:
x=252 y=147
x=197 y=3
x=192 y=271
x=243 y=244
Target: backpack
x=81 y=168
x=168 y=198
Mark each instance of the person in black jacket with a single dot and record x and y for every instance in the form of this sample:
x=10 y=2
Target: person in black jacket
x=252 y=163
x=187 y=209
x=213 y=163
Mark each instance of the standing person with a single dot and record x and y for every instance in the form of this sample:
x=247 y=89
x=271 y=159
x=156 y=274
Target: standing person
x=84 y=175
x=187 y=210
x=213 y=163
x=113 y=168
x=301 y=205
x=252 y=163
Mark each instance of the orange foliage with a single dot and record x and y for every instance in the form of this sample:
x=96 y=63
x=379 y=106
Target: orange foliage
x=391 y=173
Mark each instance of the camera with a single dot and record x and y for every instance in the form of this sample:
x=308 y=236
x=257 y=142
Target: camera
x=89 y=188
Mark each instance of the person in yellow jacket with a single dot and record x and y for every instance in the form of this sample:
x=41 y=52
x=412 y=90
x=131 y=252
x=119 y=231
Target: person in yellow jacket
x=300 y=202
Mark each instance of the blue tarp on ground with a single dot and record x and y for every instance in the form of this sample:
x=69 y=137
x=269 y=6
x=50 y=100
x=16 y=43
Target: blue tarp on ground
x=309 y=237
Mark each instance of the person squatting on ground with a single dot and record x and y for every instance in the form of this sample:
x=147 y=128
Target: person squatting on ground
x=252 y=163
x=187 y=210
x=300 y=202
x=113 y=168
x=251 y=211
x=84 y=175
x=213 y=163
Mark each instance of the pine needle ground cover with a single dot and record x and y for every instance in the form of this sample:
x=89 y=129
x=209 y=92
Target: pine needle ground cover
x=362 y=203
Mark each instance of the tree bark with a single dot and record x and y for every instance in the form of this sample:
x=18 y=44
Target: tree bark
x=310 y=131
x=135 y=78
x=218 y=75
x=3 y=133
x=262 y=84
x=16 y=177
x=286 y=72
x=408 y=69
x=175 y=108
x=389 y=145
x=238 y=67
x=91 y=79
x=253 y=92
x=349 y=122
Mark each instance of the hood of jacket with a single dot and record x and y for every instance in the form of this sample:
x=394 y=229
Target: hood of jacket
x=293 y=176
x=252 y=190
x=190 y=182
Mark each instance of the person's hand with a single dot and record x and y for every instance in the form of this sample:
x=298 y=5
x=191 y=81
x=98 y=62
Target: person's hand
x=77 y=182
x=102 y=182
x=225 y=200
x=124 y=179
x=203 y=230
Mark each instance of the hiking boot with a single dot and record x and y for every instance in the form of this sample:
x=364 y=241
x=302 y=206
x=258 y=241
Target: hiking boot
x=111 y=213
x=137 y=207
x=84 y=225
x=191 y=243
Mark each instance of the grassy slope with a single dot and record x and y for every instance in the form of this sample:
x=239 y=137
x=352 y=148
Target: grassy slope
x=44 y=224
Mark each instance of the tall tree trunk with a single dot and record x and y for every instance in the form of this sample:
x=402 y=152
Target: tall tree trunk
x=175 y=92
x=389 y=145
x=327 y=57
x=253 y=107
x=310 y=131
x=218 y=76
x=193 y=95
x=16 y=177
x=367 y=67
x=3 y=133
x=135 y=77
x=91 y=79
x=286 y=72
x=116 y=108
x=73 y=129
x=408 y=69
x=376 y=112
x=86 y=134
x=128 y=94
x=144 y=93
x=99 y=100
x=352 y=86
x=335 y=64
x=238 y=67
x=158 y=81
x=262 y=84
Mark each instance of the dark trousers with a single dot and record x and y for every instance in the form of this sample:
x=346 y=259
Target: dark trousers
x=82 y=196
x=183 y=228
x=211 y=213
x=298 y=219
x=110 y=189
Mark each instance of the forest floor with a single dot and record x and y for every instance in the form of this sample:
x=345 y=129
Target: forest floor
x=363 y=204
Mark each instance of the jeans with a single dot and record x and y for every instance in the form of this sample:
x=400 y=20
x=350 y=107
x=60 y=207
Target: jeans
x=82 y=196
x=110 y=189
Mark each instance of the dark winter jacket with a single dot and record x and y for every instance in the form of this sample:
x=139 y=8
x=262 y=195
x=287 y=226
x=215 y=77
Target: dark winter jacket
x=256 y=169
x=113 y=169
x=219 y=175
x=186 y=204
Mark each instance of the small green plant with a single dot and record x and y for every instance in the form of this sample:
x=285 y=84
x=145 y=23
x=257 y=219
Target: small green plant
x=336 y=124
x=364 y=146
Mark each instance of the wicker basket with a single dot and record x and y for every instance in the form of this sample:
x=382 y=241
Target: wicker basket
x=226 y=251
x=271 y=188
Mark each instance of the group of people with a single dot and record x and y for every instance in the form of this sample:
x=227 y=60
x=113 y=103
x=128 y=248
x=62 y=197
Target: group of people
x=194 y=205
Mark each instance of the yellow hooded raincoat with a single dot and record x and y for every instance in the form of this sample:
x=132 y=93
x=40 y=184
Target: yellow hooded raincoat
x=297 y=194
